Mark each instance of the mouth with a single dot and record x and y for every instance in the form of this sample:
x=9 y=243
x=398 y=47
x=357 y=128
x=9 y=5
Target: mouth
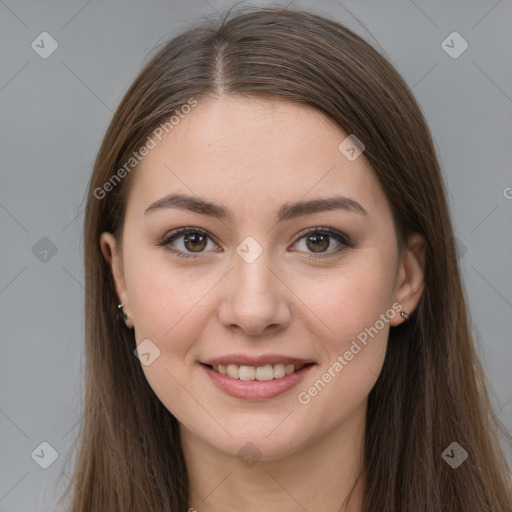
x=256 y=382
x=257 y=373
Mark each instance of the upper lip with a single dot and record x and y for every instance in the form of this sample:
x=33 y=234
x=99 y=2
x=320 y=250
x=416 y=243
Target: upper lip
x=244 y=360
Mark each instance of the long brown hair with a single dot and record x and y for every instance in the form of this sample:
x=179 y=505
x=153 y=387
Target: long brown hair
x=431 y=391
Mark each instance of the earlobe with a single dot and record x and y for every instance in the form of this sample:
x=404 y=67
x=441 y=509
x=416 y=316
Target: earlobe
x=110 y=251
x=411 y=273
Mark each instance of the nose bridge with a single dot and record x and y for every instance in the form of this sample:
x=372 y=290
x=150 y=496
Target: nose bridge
x=254 y=280
x=254 y=297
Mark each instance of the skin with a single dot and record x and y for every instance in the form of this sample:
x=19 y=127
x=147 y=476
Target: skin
x=253 y=155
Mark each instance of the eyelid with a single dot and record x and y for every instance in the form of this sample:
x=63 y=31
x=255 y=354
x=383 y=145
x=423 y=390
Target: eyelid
x=329 y=231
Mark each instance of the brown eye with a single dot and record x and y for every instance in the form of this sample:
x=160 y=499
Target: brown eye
x=319 y=240
x=186 y=242
x=195 y=242
x=318 y=243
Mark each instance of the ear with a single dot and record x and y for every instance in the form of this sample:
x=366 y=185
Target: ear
x=111 y=253
x=410 y=277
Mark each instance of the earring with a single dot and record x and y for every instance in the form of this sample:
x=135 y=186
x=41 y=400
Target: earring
x=121 y=313
x=405 y=315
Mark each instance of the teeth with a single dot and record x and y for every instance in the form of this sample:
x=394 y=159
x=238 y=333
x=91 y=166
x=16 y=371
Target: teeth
x=279 y=371
x=233 y=371
x=247 y=373
x=264 y=372
x=261 y=373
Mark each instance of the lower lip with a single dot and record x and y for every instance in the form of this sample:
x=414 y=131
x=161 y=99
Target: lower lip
x=255 y=389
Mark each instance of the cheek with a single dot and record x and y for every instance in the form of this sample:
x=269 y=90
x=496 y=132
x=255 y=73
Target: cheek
x=169 y=310
x=352 y=310
x=355 y=316
x=350 y=299
x=162 y=297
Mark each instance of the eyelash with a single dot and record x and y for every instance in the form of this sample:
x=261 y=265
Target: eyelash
x=338 y=236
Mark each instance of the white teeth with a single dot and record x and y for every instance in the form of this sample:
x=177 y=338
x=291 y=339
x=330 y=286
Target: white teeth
x=261 y=373
x=247 y=373
x=232 y=371
x=264 y=372
x=279 y=371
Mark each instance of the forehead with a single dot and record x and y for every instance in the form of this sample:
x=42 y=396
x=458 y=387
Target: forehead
x=253 y=154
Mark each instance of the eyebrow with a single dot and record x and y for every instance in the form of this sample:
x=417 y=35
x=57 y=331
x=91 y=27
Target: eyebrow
x=286 y=212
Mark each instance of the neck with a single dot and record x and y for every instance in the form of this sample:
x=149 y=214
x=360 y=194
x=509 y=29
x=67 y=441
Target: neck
x=318 y=476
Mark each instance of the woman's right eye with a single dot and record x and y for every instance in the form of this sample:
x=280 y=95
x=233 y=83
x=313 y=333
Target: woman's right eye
x=194 y=239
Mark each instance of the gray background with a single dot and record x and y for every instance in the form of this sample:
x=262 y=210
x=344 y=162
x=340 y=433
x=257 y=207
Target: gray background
x=54 y=113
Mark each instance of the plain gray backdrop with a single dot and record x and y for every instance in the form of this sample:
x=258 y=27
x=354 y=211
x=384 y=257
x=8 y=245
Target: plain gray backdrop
x=54 y=112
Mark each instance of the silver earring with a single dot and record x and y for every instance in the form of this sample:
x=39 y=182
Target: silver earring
x=405 y=315
x=121 y=313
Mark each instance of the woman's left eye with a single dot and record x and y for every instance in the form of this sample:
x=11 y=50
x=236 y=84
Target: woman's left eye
x=320 y=238
x=195 y=240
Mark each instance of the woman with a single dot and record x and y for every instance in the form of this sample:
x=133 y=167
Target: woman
x=268 y=218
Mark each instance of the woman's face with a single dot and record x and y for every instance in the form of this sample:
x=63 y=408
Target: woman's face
x=259 y=279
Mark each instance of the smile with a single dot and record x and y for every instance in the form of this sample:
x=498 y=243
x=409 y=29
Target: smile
x=256 y=382
x=260 y=373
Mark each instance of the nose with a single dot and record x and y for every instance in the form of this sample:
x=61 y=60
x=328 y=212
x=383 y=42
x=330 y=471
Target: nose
x=255 y=298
